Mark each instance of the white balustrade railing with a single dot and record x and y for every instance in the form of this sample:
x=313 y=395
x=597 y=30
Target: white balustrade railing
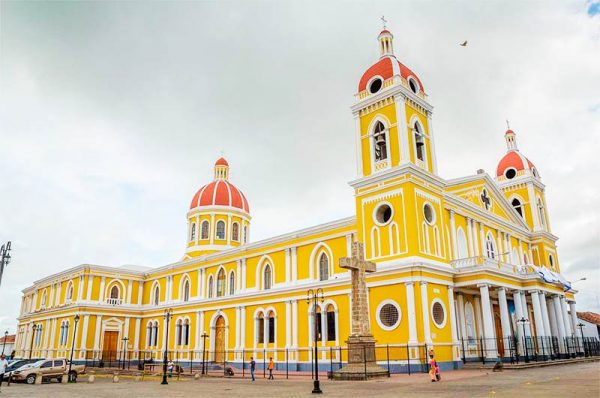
x=114 y=301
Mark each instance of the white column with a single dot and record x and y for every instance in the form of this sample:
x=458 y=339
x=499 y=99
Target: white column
x=453 y=323
x=199 y=329
x=478 y=317
x=266 y=333
x=136 y=337
x=402 y=129
x=237 y=327
x=559 y=318
x=425 y=309
x=474 y=234
x=140 y=299
x=453 y=235
x=201 y=283
x=80 y=289
x=499 y=246
x=288 y=266
x=294 y=265
x=566 y=320
x=243 y=327
x=488 y=326
x=97 y=332
x=547 y=331
x=526 y=313
x=504 y=316
x=52 y=334
x=238 y=280
x=519 y=315
x=469 y=238
x=295 y=323
x=461 y=316
x=244 y=268
x=411 y=316
x=84 y=333
x=574 y=320
x=51 y=297
x=288 y=323
x=552 y=317
x=129 y=289
x=537 y=313
x=88 y=295
x=101 y=295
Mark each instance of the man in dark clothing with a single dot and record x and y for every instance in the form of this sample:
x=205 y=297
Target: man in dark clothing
x=252 y=367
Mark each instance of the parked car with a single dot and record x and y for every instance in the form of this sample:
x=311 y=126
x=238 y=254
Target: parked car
x=16 y=364
x=48 y=369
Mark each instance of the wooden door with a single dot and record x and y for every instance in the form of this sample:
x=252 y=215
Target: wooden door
x=220 y=340
x=109 y=347
x=498 y=330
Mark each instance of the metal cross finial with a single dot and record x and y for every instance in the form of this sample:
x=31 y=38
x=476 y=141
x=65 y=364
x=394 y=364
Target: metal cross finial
x=384 y=21
x=507 y=125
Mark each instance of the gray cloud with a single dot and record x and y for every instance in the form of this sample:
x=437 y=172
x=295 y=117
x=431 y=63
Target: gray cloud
x=113 y=113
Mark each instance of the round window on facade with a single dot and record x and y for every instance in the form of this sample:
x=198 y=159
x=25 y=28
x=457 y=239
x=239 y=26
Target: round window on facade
x=414 y=86
x=510 y=173
x=388 y=315
x=383 y=213
x=375 y=85
x=438 y=314
x=428 y=213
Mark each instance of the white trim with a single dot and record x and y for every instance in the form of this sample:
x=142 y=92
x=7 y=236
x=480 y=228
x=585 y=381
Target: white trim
x=378 y=314
x=446 y=315
x=376 y=209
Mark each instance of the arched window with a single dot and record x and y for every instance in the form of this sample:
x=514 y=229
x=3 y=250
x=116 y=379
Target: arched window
x=220 y=229
x=221 y=283
x=551 y=260
x=231 y=283
x=204 y=230
x=156 y=295
x=149 y=334
x=210 y=286
x=186 y=290
x=490 y=247
x=178 y=332
x=419 y=141
x=70 y=291
x=260 y=326
x=461 y=244
x=271 y=327
x=379 y=142
x=44 y=299
x=114 y=292
x=155 y=334
x=542 y=213
x=193 y=232
x=323 y=267
x=525 y=259
x=470 y=322
x=186 y=332
x=330 y=323
x=267 y=277
x=235 y=232
x=516 y=204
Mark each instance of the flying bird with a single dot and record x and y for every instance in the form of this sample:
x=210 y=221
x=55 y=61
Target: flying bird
x=464 y=44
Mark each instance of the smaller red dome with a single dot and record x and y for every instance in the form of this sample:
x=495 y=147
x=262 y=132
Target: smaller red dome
x=513 y=159
x=385 y=31
x=220 y=193
x=387 y=67
x=221 y=162
x=509 y=131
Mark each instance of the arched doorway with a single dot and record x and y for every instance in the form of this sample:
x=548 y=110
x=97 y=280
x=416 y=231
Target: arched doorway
x=219 y=339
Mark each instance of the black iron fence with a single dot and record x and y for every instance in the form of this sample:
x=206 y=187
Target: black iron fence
x=527 y=348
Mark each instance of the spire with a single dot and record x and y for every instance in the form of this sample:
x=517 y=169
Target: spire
x=511 y=139
x=221 y=169
x=386 y=39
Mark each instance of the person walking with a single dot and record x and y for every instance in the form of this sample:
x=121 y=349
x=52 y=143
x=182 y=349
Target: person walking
x=252 y=367
x=433 y=368
x=271 y=366
x=3 y=365
x=170 y=367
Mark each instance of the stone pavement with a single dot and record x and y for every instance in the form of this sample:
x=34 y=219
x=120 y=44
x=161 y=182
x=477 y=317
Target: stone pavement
x=576 y=380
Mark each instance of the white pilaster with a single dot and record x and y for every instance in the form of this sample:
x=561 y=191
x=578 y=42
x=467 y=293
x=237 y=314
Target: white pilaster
x=526 y=313
x=136 y=337
x=425 y=308
x=574 y=320
x=461 y=316
x=294 y=323
x=432 y=143
x=537 y=313
x=97 y=332
x=80 y=289
x=402 y=128
x=552 y=317
x=566 y=319
x=504 y=316
x=88 y=295
x=488 y=326
x=288 y=266
x=129 y=289
x=453 y=323
x=559 y=318
x=453 y=235
x=288 y=324
x=101 y=294
x=140 y=298
x=412 y=314
x=243 y=327
x=547 y=330
x=84 y=333
x=469 y=238
x=294 y=265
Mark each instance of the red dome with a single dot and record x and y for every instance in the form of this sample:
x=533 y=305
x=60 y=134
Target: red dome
x=515 y=160
x=221 y=162
x=387 y=67
x=220 y=193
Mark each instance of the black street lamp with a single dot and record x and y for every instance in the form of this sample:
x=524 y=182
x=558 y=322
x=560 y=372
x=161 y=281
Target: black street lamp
x=580 y=325
x=523 y=321
x=34 y=330
x=124 y=350
x=204 y=336
x=4 y=344
x=168 y=315
x=315 y=296
x=4 y=258
x=72 y=379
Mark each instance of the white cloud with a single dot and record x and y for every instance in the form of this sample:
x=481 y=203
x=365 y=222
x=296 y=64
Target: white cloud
x=112 y=115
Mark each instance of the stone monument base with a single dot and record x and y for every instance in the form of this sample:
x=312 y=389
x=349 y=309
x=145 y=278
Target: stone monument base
x=362 y=363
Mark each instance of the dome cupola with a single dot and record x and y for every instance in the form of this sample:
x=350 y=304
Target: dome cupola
x=514 y=163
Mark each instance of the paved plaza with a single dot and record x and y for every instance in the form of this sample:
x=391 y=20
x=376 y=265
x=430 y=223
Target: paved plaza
x=579 y=380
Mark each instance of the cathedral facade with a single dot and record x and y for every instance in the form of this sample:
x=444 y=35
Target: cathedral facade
x=463 y=265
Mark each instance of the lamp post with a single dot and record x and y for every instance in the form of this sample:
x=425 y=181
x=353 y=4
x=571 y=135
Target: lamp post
x=34 y=329
x=4 y=345
x=168 y=315
x=124 y=350
x=76 y=319
x=580 y=325
x=315 y=296
x=4 y=258
x=204 y=336
x=523 y=321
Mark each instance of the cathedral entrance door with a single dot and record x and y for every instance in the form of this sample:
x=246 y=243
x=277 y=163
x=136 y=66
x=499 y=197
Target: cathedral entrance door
x=109 y=346
x=220 y=340
x=498 y=330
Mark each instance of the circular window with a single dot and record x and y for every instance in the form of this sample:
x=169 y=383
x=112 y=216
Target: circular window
x=428 y=213
x=383 y=213
x=414 y=86
x=375 y=85
x=388 y=315
x=510 y=173
x=438 y=314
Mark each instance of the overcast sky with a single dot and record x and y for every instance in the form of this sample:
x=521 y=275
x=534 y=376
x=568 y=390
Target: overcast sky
x=112 y=115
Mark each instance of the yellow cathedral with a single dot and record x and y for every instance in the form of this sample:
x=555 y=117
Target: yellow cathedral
x=467 y=267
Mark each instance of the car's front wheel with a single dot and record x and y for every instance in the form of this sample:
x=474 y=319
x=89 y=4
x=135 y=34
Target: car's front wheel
x=30 y=379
